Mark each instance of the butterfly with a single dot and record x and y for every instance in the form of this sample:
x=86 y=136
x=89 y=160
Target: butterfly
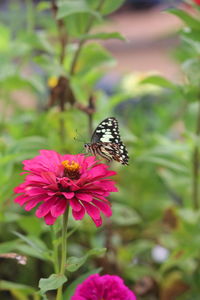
x=107 y=143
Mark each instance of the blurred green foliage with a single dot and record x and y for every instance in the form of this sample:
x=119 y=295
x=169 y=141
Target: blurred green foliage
x=158 y=199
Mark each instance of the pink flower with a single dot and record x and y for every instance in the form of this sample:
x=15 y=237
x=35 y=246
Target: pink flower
x=106 y=287
x=55 y=181
x=197 y=2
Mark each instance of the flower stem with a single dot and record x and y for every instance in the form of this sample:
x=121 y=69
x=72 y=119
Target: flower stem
x=63 y=251
x=55 y=250
x=195 y=165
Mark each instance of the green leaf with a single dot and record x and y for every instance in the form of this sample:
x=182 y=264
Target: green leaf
x=193 y=44
x=71 y=288
x=4 y=38
x=37 y=84
x=191 y=68
x=31 y=225
x=29 y=251
x=35 y=247
x=110 y=6
x=52 y=282
x=165 y=163
x=15 y=82
x=8 y=286
x=74 y=263
x=18 y=295
x=117 y=99
x=9 y=217
x=124 y=215
x=189 y=215
x=92 y=56
x=43 y=5
x=192 y=34
x=32 y=241
x=42 y=40
x=44 y=297
x=160 y=81
x=103 y=36
x=8 y=246
x=135 y=272
x=96 y=251
x=8 y=70
x=72 y=7
x=186 y=18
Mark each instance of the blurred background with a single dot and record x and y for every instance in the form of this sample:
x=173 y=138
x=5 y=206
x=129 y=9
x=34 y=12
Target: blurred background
x=64 y=68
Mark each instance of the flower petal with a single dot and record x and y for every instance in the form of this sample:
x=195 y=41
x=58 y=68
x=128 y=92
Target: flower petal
x=92 y=211
x=99 y=197
x=33 y=191
x=91 y=160
x=31 y=204
x=107 y=287
x=109 y=185
x=51 y=156
x=45 y=208
x=84 y=197
x=99 y=171
x=21 y=199
x=68 y=195
x=97 y=222
x=36 y=179
x=75 y=204
x=96 y=190
x=49 y=219
x=78 y=215
x=49 y=176
x=58 y=208
x=105 y=208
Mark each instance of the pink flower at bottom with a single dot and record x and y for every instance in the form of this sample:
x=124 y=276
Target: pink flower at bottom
x=54 y=181
x=107 y=287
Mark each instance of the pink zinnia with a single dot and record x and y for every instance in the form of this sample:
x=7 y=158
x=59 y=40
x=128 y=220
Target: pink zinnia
x=107 y=287
x=55 y=181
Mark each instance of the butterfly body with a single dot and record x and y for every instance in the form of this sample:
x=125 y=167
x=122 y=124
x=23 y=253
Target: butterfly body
x=107 y=143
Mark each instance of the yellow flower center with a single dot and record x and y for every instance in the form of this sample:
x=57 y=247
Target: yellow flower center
x=52 y=81
x=71 y=169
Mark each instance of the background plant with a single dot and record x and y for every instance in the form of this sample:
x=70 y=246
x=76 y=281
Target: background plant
x=53 y=54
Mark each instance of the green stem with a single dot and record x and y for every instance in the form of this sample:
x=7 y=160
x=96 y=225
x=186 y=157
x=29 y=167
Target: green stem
x=82 y=41
x=63 y=251
x=55 y=250
x=195 y=165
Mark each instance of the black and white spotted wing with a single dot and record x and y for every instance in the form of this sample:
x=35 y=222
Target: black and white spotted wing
x=107 y=143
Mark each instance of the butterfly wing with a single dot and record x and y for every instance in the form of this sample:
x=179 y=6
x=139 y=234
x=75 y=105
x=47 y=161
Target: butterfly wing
x=107 y=138
x=106 y=132
x=121 y=154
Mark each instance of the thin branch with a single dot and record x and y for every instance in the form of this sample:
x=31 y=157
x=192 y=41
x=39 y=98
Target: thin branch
x=62 y=34
x=61 y=31
x=91 y=107
x=63 y=92
x=82 y=41
x=84 y=108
